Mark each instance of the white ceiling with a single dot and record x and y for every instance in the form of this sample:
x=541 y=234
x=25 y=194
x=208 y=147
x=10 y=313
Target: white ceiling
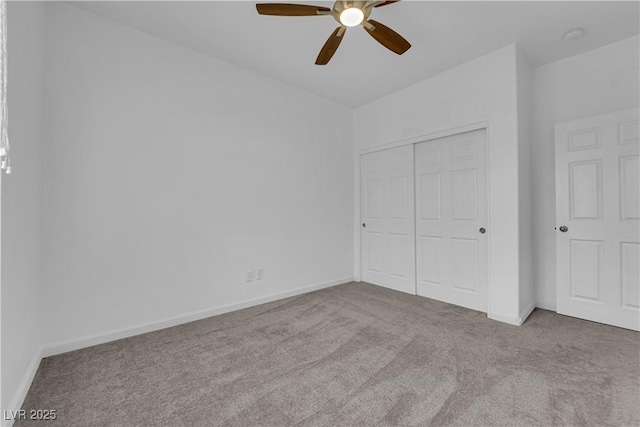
x=444 y=34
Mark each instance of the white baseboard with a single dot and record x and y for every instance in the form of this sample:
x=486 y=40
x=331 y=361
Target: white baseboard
x=95 y=339
x=526 y=313
x=518 y=321
x=504 y=319
x=23 y=387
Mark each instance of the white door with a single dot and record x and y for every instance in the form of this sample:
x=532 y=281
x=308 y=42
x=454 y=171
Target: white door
x=451 y=219
x=387 y=212
x=597 y=237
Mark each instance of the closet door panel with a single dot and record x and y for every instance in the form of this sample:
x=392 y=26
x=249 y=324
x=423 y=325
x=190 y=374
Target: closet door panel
x=387 y=219
x=451 y=214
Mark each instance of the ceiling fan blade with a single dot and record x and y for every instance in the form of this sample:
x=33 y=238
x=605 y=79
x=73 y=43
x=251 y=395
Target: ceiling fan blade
x=386 y=3
x=387 y=37
x=286 y=9
x=330 y=46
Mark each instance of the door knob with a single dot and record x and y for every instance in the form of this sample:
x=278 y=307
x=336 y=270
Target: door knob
x=482 y=230
x=564 y=229
x=364 y=225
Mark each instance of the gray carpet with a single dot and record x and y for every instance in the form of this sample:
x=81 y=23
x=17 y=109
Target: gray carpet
x=354 y=354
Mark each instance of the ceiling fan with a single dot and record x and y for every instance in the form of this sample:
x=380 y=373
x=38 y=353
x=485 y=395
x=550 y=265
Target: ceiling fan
x=348 y=14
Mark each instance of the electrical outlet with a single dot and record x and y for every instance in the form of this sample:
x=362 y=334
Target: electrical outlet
x=249 y=276
x=260 y=274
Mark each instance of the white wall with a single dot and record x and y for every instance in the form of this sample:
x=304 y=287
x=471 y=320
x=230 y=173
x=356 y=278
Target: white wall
x=527 y=294
x=596 y=82
x=483 y=90
x=21 y=202
x=170 y=173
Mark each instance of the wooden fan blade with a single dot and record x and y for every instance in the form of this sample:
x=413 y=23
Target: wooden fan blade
x=387 y=37
x=387 y=2
x=330 y=46
x=286 y=9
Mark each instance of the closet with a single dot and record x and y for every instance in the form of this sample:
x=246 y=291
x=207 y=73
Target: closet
x=424 y=219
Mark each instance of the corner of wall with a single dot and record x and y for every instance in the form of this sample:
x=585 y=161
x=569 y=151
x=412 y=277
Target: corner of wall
x=21 y=350
x=526 y=298
x=23 y=388
x=356 y=199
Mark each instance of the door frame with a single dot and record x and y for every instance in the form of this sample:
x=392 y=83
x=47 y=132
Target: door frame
x=413 y=141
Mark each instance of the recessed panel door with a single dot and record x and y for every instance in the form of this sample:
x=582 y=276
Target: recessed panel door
x=598 y=214
x=387 y=212
x=451 y=219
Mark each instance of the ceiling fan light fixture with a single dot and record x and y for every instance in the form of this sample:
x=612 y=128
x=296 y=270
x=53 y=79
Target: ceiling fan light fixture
x=351 y=17
x=348 y=13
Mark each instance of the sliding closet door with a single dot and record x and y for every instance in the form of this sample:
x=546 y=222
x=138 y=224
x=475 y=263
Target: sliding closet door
x=451 y=219
x=387 y=213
